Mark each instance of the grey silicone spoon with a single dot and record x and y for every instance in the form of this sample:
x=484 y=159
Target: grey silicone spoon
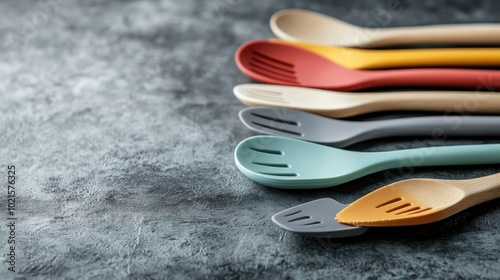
x=341 y=133
x=316 y=219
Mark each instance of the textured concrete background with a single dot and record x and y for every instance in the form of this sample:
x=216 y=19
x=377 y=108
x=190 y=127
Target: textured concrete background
x=120 y=119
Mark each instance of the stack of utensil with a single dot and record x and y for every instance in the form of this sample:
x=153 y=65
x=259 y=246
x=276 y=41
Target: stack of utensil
x=321 y=70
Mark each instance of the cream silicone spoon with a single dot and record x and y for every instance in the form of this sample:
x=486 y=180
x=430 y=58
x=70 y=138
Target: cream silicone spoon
x=342 y=105
x=312 y=27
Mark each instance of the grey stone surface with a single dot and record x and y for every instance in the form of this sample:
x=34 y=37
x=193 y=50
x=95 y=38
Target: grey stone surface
x=120 y=119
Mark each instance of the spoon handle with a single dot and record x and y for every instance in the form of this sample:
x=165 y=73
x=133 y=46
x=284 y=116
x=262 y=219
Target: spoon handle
x=437 y=34
x=404 y=58
x=458 y=78
x=464 y=102
x=442 y=156
x=480 y=190
x=439 y=128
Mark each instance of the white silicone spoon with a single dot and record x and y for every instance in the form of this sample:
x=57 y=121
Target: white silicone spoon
x=312 y=27
x=341 y=104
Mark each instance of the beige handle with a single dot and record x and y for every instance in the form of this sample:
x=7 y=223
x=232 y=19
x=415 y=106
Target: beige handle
x=437 y=34
x=480 y=190
x=451 y=102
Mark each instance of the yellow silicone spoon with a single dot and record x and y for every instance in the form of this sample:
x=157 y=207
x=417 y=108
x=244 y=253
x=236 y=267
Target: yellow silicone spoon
x=403 y=58
x=419 y=201
x=307 y=26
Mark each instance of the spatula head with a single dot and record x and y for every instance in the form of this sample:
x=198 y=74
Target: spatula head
x=284 y=64
x=405 y=203
x=300 y=125
x=316 y=219
x=295 y=164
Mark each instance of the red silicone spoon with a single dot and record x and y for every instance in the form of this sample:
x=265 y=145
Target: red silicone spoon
x=282 y=64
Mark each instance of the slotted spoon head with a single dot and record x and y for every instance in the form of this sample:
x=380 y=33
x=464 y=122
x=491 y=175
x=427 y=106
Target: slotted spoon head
x=324 y=102
x=294 y=164
x=299 y=125
x=283 y=64
x=316 y=219
x=405 y=203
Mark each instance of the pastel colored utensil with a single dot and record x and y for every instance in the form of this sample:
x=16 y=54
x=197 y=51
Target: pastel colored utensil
x=419 y=201
x=402 y=58
x=343 y=105
x=284 y=64
x=308 y=26
x=316 y=219
x=341 y=133
x=295 y=164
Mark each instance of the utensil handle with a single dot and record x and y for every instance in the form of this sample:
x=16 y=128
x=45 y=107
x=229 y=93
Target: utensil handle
x=447 y=77
x=438 y=34
x=445 y=57
x=442 y=156
x=464 y=102
x=480 y=190
x=435 y=127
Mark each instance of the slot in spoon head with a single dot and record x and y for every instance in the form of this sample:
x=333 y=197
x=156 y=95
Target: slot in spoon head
x=283 y=64
x=316 y=219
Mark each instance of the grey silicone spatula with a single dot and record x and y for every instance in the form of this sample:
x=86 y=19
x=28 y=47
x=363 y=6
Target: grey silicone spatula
x=316 y=219
x=341 y=133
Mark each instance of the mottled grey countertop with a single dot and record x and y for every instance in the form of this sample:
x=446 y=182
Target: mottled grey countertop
x=120 y=120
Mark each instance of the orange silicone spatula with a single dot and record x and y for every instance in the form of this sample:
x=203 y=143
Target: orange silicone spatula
x=419 y=201
x=284 y=64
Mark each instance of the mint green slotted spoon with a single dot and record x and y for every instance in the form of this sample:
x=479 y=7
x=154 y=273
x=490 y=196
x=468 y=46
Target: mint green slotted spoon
x=295 y=164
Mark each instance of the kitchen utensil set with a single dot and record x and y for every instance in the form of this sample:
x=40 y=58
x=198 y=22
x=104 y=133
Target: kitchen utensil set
x=317 y=54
